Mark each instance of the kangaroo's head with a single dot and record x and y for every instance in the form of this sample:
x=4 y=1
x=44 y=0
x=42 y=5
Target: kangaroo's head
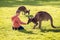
x=27 y=11
x=32 y=20
x=29 y=20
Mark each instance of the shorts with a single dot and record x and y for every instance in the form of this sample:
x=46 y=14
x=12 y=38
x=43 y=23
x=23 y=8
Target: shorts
x=19 y=28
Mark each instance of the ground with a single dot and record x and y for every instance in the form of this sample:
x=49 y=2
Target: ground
x=8 y=9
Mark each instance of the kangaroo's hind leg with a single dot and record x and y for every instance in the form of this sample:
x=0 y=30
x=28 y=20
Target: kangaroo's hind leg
x=40 y=24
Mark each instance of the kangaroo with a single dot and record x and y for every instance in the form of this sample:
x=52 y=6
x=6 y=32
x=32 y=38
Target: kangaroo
x=39 y=17
x=23 y=9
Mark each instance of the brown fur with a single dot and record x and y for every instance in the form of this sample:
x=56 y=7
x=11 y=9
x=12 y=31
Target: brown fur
x=23 y=9
x=39 y=17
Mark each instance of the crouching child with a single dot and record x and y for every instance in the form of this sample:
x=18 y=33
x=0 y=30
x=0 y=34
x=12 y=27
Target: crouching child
x=17 y=22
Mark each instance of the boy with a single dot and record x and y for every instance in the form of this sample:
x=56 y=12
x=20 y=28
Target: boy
x=17 y=22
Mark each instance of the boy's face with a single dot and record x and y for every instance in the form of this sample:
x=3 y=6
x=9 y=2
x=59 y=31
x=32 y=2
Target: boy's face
x=17 y=14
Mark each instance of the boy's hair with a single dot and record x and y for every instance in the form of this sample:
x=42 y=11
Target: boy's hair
x=18 y=11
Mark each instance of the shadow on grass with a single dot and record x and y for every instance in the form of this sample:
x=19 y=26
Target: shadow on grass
x=50 y=30
x=53 y=30
x=12 y=3
x=25 y=31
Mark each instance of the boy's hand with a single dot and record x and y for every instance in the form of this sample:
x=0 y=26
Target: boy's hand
x=24 y=23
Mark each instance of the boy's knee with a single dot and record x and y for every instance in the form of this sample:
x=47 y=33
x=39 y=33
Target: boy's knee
x=14 y=28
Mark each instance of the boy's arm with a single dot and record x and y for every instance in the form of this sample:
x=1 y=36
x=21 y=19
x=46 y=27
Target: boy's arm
x=20 y=22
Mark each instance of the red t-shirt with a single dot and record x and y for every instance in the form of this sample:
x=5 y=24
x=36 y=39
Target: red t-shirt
x=16 y=21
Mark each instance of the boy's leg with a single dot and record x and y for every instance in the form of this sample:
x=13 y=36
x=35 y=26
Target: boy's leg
x=14 y=28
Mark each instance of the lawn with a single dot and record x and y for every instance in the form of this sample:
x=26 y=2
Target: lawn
x=8 y=9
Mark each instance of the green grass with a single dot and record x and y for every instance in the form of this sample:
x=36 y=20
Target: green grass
x=8 y=9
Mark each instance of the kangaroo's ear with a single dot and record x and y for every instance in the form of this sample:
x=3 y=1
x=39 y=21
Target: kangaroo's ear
x=29 y=10
x=29 y=17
